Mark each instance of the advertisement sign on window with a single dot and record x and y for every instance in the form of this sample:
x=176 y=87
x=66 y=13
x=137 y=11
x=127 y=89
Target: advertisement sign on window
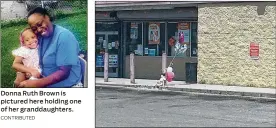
x=151 y=52
x=113 y=60
x=184 y=28
x=99 y=61
x=146 y=51
x=134 y=31
x=154 y=33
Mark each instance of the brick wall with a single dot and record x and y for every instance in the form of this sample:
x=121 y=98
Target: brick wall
x=225 y=31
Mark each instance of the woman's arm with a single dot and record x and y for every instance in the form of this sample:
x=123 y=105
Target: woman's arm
x=18 y=66
x=57 y=76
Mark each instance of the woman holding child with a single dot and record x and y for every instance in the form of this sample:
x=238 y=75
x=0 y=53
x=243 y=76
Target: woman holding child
x=58 y=49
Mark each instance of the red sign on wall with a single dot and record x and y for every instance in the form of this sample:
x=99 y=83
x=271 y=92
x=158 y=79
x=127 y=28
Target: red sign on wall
x=254 y=50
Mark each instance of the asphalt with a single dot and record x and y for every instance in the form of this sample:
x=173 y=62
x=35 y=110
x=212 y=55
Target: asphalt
x=268 y=94
x=121 y=107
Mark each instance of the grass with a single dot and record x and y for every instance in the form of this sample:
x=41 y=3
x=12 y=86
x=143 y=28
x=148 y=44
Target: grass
x=10 y=41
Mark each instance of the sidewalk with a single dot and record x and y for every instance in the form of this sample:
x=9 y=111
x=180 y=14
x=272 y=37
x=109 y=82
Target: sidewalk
x=181 y=86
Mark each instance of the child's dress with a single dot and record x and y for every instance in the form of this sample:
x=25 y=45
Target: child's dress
x=30 y=57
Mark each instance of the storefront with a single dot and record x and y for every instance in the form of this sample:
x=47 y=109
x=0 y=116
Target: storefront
x=107 y=40
x=229 y=43
x=146 y=33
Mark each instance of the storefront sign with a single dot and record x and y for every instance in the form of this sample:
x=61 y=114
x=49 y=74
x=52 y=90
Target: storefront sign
x=99 y=61
x=254 y=50
x=184 y=28
x=154 y=33
x=134 y=31
x=113 y=60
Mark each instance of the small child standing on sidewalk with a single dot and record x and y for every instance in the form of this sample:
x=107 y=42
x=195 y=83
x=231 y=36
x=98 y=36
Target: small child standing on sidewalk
x=26 y=57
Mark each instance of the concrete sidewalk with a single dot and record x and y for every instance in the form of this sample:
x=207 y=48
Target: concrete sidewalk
x=181 y=86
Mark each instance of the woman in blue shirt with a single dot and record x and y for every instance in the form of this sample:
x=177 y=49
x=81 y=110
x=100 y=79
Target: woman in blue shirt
x=58 y=51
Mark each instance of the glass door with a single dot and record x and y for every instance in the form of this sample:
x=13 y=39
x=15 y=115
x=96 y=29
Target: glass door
x=107 y=42
x=100 y=50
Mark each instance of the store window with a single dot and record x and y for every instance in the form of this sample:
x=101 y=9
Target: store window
x=172 y=37
x=154 y=34
x=174 y=29
x=134 y=42
x=153 y=38
x=193 y=39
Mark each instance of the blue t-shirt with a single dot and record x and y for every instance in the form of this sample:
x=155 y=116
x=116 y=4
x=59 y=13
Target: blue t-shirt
x=60 y=49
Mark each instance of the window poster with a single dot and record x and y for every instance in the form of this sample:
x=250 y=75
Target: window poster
x=99 y=61
x=113 y=44
x=151 y=52
x=113 y=60
x=154 y=33
x=184 y=28
x=134 y=30
x=109 y=45
x=146 y=51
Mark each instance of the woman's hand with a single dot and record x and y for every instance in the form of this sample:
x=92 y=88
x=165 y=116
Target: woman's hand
x=28 y=75
x=35 y=73
x=29 y=84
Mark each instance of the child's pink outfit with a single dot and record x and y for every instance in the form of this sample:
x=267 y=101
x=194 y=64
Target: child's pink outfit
x=30 y=57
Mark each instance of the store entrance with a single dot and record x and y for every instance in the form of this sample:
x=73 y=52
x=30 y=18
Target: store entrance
x=107 y=41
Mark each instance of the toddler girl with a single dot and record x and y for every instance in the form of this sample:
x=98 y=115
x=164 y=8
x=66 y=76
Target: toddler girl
x=26 y=57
